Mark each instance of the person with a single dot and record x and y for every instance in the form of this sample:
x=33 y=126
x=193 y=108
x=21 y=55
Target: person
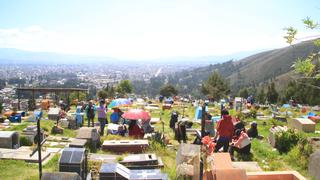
x=102 y=116
x=173 y=119
x=241 y=144
x=135 y=130
x=253 y=131
x=116 y=115
x=224 y=133
x=209 y=127
x=90 y=111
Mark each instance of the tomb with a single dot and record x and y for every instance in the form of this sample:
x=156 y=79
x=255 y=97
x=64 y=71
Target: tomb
x=74 y=160
x=60 y=176
x=31 y=132
x=120 y=172
x=90 y=134
x=78 y=143
x=247 y=165
x=23 y=154
x=302 y=124
x=54 y=114
x=121 y=146
x=9 y=139
x=45 y=104
x=188 y=161
x=272 y=134
x=64 y=123
x=72 y=123
x=314 y=164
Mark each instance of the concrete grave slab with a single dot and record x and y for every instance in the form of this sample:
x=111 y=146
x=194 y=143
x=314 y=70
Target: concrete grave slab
x=120 y=146
x=9 y=139
x=249 y=166
x=23 y=153
x=302 y=124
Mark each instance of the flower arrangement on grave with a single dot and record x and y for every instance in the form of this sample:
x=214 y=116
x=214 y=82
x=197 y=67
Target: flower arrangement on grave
x=208 y=147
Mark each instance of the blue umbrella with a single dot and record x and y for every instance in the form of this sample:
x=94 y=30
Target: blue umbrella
x=198 y=114
x=119 y=102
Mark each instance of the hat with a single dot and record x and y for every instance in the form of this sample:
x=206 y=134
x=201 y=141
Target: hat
x=253 y=123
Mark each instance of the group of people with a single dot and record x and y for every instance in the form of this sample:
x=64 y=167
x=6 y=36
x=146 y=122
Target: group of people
x=233 y=136
x=101 y=110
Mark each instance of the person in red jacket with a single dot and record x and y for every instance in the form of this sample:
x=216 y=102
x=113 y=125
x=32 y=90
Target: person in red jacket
x=135 y=130
x=224 y=133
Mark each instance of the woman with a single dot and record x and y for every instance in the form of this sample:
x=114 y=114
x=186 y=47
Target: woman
x=102 y=116
x=241 y=144
x=135 y=130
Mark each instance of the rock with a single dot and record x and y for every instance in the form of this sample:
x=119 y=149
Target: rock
x=314 y=165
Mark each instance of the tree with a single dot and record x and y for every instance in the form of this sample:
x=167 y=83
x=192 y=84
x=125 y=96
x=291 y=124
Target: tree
x=307 y=68
x=272 y=94
x=168 y=90
x=215 y=87
x=107 y=92
x=261 y=97
x=124 y=87
x=243 y=93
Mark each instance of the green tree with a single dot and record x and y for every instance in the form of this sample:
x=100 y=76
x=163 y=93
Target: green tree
x=215 y=87
x=261 y=97
x=124 y=87
x=168 y=90
x=107 y=92
x=74 y=96
x=243 y=93
x=272 y=94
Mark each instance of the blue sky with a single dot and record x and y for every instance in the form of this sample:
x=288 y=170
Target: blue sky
x=147 y=29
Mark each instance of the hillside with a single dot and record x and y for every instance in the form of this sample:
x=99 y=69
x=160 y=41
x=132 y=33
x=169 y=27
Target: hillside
x=254 y=70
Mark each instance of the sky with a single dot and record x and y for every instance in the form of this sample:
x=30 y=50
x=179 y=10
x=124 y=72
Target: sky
x=149 y=29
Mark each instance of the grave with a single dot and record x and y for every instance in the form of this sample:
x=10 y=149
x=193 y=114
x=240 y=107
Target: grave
x=302 y=124
x=31 y=131
x=154 y=120
x=78 y=143
x=74 y=160
x=120 y=172
x=60 y=176
x=45 y=104
x=314 y=164
x=72 y=123
x=247 y=165
x=9 y=139
x=64 y=123
x=188 y=160
x=22 y=153
x=272 y=133
x=54 y=114
x=121 y=146
x=90 y=134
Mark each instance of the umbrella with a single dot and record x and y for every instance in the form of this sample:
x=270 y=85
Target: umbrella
x=119 y=102
x=135 y=114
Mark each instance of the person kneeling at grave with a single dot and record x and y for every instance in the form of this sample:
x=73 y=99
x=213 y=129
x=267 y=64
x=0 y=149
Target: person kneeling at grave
x=241 y=144
x=253 y=131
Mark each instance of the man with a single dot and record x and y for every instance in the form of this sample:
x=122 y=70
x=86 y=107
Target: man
x=224 y=133
x=242 y=144
x=102 y=116
x=90 y=111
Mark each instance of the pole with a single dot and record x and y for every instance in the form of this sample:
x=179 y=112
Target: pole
x=203 y=122
x=39 y=148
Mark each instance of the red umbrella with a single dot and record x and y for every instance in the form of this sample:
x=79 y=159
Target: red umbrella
x=135 y=114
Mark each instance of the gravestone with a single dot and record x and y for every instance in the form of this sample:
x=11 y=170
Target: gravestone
x=54 y=114
x=121 y=146
x=64 y=123
x=9 y=139
x=72 y=121
x=31 y=132
x=247 y=165
x=73 y=160
x=303 y=124
x=314 y=165
x=60 y=176
x=120 y=172
x=78 y=143
x=90 y=134
x=272 y=133
x=188 y=160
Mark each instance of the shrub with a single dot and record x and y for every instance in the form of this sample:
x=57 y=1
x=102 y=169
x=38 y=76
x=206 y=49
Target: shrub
x=25 y=141
x=285 y=140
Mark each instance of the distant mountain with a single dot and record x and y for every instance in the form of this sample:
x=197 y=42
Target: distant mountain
x=254 y=70
x=15 y=56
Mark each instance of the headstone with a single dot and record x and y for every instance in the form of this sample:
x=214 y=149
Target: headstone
x=9 y=139
x=91 y=134
x=273 y=131
x=314 y=165
x=188 y=160
x=64 y=123
x=120 y=172
x=54 y=114
x=247 y=165
x=60 y=176
x=121 y=146
x=302 y=124
x=78 y=143
x=31 y=131
x=73 y=160
x=72 y=123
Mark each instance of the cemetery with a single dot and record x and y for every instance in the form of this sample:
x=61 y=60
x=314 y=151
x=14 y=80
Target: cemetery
x=283 y=150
